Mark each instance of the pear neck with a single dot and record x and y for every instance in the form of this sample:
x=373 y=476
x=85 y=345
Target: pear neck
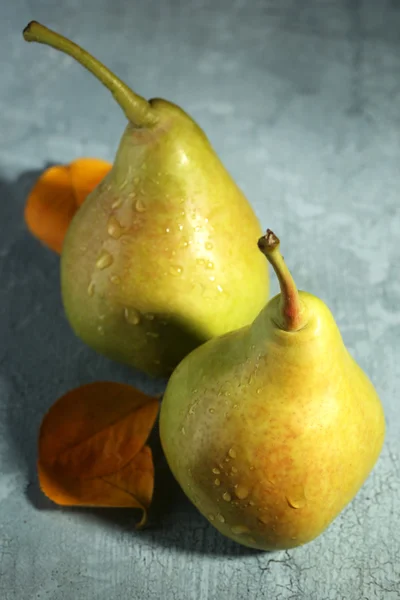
x=136 y=108
x=292 y=315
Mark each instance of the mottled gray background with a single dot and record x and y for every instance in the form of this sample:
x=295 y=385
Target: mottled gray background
x=302 y=101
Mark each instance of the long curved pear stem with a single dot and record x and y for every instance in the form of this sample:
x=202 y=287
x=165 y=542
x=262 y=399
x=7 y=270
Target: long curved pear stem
x=136 y=108
x=293 y=312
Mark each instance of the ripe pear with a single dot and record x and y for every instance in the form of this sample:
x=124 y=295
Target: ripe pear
x=148 y=268
x=272 y=429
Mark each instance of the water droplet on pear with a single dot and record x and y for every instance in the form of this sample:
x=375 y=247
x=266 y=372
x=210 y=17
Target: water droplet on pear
x=91 y=289
x=296 y=500
x=175 y=270
x=104 y=261
x=132 y=316
x=241 y=492
x=140 y=206
x=114 y=228
x=239 y=529
x=117 y=203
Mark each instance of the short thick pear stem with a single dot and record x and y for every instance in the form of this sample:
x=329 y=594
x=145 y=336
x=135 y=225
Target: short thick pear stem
x=293 y=311
x=136 y=108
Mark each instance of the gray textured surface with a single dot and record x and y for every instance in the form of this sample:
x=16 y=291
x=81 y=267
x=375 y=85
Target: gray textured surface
x=301 y=100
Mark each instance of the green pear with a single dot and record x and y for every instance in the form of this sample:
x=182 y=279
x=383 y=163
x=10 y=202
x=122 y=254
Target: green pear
x=272 y=429
x=148 y=267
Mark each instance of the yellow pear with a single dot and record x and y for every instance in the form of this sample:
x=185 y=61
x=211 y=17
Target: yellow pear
x=148 y=267
x=272 y=429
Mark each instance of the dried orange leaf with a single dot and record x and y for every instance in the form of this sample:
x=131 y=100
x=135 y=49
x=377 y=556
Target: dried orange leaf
x=50 y=207
x=132 y=487
x=92 y=447
x=57 y=195
x=86 y=174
